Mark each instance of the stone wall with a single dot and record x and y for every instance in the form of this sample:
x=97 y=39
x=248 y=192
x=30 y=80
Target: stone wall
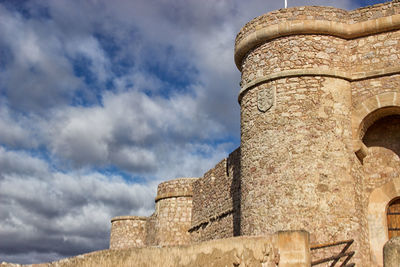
x=168 y=225
x=216 y=201
x=295 y=160
x=281 y=249
x=128 y=232
x=373 y=12
x=295 y=52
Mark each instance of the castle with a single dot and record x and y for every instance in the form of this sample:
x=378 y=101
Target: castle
x=320 y=131
x=319 y=152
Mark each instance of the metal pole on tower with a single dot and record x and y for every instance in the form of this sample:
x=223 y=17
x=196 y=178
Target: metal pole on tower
x=285 y=3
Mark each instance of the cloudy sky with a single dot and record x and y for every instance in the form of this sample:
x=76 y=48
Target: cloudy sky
x=101 y=100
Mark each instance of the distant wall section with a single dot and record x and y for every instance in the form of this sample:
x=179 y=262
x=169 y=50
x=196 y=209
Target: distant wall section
x=216 y=201
x=174 y=212
x=168 y=225
x=128 y=232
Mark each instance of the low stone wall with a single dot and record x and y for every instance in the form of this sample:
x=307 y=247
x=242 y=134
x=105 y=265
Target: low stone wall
x=282 y=249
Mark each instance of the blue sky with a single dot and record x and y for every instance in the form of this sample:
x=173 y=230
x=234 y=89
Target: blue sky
x=102 y=100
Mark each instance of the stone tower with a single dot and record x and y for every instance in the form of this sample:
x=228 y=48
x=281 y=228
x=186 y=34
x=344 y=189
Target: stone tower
x=319 y=114
x=296 y=139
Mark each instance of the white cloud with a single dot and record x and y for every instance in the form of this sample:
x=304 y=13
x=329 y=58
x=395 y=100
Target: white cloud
x=70 y=207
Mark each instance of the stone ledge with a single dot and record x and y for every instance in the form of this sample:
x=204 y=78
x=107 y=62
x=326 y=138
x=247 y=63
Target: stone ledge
x=173 y=194
x=349 y=76
x=129 y=218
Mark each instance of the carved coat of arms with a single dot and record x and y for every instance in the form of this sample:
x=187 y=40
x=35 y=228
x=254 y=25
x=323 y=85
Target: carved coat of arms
x=266 y=98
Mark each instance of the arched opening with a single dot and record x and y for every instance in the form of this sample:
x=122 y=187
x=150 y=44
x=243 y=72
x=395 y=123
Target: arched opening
x=393 y=218
x=379 y=206
x=384 y=132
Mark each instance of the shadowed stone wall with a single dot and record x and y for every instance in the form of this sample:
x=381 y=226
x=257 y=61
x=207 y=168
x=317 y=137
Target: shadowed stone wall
x=216 y=201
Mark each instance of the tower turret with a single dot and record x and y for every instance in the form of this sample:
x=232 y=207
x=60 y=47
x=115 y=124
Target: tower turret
x=296 y=140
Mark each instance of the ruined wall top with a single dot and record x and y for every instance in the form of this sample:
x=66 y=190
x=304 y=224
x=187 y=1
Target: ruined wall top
x=181 y=187
x=316 y=20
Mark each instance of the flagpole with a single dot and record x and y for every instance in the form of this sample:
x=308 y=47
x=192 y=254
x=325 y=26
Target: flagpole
x=285 y=3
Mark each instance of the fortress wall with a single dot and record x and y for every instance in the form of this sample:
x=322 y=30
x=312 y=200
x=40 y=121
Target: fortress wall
x=372 y=56
x=295 y=52
x=374 y=52
x=283 y=249
x=375 y=11
x=128 y=232
x=295 y=160
x=216 y=201
x=174 y=212
x=151 y=230
x=364 y=89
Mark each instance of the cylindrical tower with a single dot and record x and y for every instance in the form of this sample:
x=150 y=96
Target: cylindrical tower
x=295 y=104
x=128 y=232
x=174 y=212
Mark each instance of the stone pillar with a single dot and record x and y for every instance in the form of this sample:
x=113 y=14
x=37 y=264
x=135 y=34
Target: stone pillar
x=391 y=253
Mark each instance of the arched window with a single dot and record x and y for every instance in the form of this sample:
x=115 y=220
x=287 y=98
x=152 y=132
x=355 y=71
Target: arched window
x=393 y=218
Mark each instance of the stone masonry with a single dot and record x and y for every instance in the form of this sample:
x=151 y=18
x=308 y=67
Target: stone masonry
x=167 y=226
x=320 y=114
x=128 y=231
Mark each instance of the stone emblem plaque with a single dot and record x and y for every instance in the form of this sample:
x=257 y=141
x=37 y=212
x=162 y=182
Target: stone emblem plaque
x=265 y=99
